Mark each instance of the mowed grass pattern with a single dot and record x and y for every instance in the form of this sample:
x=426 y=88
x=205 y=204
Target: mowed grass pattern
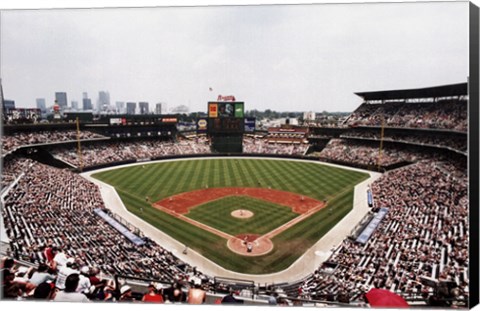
x=217 y=214
x=163 y=179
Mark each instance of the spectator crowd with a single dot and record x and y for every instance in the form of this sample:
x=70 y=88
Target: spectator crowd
x=107 y=152
x=65 y=281
x=362 y=153
x=49 y=219
x=19 y=139
x=430 y=139
x=425 y=234
x=445 y=114
x=261 y=145
x=12 y=169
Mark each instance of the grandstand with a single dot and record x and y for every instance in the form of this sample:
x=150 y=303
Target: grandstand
x=412 y=240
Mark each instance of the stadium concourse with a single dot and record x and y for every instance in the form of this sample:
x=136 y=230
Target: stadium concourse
x=408 y=231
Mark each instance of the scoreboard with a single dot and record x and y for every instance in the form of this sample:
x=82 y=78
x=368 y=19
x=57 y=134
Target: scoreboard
x=226 y=117
x=226 y=109
x=225 y=124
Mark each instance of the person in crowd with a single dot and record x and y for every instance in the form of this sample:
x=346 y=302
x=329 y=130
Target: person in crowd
x=21 y=276
x=93 y=277
x=44 y=291
x=50 y=253
x=11 y=289
x=126 y=294
x=154 y=293
x=174 y=293
x=272 y=299
x=84 y=283
x=59 y=260
x=70 y=294
x=9 y=264
x=41 y=275
x=107 y=293
x=196 y=295
x=230 y=299
x=69 y=268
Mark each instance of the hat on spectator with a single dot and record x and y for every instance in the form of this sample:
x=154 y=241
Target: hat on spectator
x=125 y=289
x=85 y=270
x=160 y=286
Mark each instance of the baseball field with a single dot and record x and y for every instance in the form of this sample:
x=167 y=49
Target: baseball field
x=253 y=216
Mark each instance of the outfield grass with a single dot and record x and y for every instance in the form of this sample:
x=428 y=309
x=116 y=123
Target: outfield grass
x=161 y=180
x=267 y=215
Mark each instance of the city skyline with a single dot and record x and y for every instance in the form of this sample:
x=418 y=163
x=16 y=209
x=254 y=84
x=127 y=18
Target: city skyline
x=284 y=58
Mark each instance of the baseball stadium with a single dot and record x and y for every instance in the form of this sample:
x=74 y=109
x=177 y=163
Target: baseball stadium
x=302 y=155
x=303 y=215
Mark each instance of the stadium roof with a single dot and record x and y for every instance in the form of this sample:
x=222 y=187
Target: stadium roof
x=429 y=92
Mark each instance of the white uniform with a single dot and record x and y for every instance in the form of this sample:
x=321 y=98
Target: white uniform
x=62 y=275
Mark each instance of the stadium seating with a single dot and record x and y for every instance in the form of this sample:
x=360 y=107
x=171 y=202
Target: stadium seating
x=117 y=151
x=444 y=114
x=425 y=234
x=364 y=153
x=262 y=146
x=19 y=139
x=423 y=138
x=49 y=206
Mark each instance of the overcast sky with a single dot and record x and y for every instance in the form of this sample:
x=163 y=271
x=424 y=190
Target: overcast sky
x=295 y=58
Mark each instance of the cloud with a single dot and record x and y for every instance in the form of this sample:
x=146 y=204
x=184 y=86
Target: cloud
x=302 y=57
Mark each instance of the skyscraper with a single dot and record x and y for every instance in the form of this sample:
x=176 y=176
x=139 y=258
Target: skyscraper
x=61 y=99
x=74 y=105
x=131 y=107
x=143 y=107
x=41 y=105
x=158 y=108
x=120 y=107
x=9 y=104
x=87 y=102
x=103 y=102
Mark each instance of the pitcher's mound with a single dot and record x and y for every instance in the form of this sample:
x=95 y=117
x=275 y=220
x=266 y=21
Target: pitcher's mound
x=250 y=245
x=242 y=213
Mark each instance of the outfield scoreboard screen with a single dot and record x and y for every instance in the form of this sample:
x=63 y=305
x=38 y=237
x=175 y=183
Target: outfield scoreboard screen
x=225 y=109
x=226 y=117
x=226 y=125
